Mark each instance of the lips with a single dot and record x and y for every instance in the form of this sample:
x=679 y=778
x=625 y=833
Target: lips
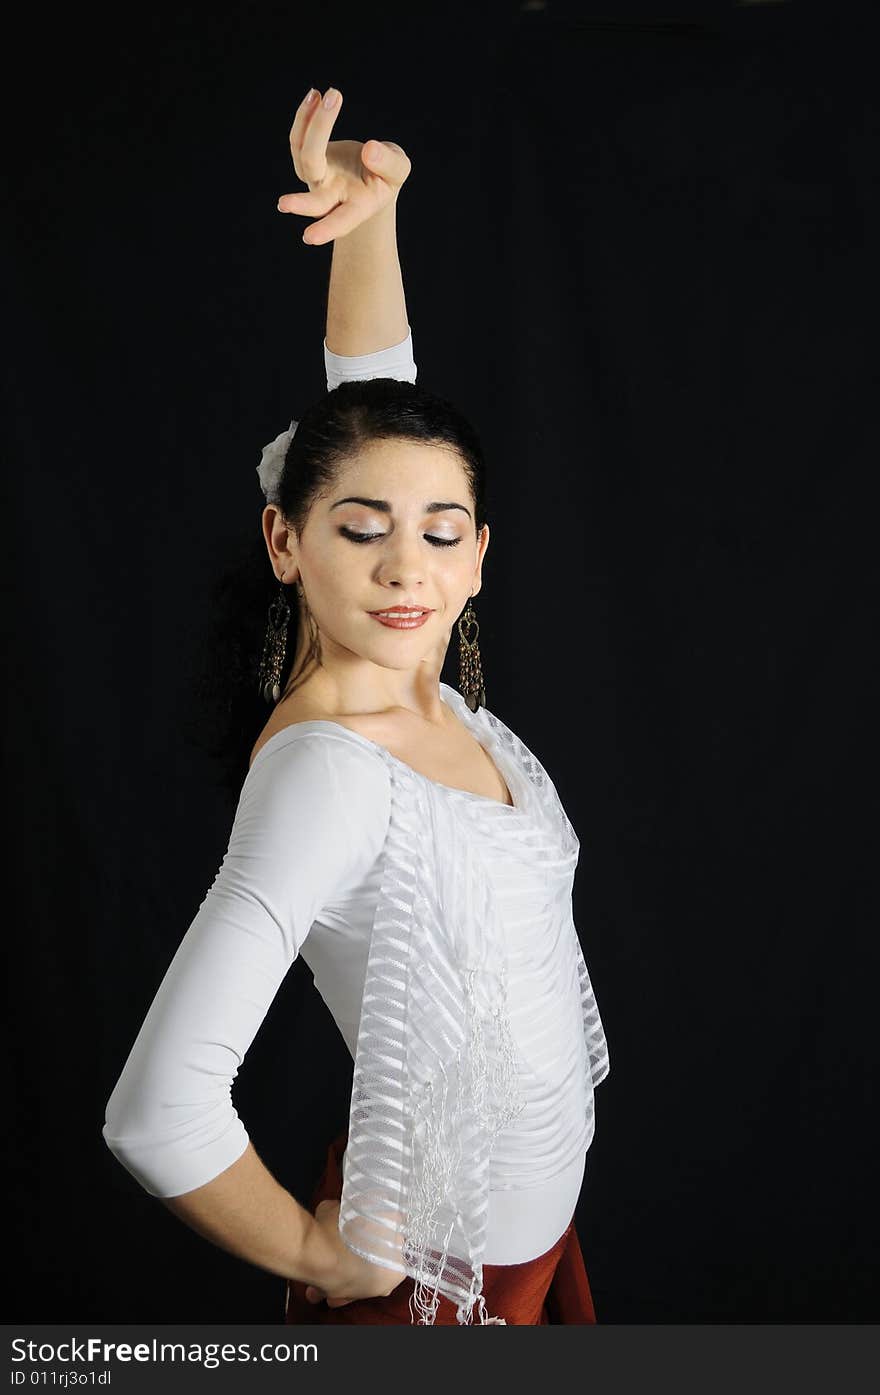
x=401 y=617
x=407 y=612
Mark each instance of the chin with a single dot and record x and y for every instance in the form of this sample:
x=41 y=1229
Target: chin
x=398 y=663
x=399 y=653
x=394 y=656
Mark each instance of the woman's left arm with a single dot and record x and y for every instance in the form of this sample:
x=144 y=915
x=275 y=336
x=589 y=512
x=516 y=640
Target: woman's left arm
x=353 y=189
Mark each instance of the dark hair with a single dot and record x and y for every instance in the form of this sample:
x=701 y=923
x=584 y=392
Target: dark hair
x=229 y=710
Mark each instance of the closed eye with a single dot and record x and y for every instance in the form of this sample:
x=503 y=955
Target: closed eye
x=370 y=537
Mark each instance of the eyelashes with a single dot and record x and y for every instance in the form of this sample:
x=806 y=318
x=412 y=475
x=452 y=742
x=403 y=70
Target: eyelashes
x=370 y=537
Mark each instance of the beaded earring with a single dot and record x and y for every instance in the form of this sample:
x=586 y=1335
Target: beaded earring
x=274 y=647
x=470 y=669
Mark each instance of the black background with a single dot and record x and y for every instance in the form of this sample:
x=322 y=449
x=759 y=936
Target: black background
x=638 y=247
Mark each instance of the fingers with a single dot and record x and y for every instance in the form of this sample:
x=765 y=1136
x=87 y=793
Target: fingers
x=310 y=133
x=343 y=219
x=317 y=1295
x=303 y=115
x=388 y=160
x=308 y=204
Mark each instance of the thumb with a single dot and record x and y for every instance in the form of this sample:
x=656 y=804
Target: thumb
x=387 y=159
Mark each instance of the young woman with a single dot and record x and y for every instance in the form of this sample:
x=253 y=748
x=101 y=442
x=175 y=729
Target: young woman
x=397 y=835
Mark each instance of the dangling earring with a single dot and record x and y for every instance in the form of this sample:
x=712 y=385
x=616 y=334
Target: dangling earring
x=274 y=647
x=470 y=670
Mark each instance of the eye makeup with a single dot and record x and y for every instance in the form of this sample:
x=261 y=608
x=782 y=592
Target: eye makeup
x=355 y=537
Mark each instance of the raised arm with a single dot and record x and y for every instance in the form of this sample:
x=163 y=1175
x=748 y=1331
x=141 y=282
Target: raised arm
x=353 y=189
x=366 y=307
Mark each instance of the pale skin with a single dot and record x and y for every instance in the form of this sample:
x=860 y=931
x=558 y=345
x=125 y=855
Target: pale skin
x=380 y=681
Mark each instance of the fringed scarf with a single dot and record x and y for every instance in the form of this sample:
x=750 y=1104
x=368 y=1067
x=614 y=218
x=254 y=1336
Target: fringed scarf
x=438 y=1076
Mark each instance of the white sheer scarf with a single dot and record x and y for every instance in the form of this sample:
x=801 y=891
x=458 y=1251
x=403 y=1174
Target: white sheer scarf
x=438 y=1077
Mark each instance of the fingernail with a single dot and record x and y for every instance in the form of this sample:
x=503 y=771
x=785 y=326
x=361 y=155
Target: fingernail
x=310 y=95
x=330 y=98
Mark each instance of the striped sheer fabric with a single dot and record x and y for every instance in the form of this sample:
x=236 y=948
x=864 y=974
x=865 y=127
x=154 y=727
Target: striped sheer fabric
x=480 y=1040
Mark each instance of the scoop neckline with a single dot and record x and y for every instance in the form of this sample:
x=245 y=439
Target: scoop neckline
x=377 y=746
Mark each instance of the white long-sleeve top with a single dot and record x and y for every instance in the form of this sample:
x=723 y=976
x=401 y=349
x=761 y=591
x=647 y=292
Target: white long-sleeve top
x=300 y=876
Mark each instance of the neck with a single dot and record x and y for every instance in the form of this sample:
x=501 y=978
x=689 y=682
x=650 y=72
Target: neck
x=339 y=683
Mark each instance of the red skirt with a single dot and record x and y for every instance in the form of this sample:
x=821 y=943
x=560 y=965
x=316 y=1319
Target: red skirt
x=550 y=1289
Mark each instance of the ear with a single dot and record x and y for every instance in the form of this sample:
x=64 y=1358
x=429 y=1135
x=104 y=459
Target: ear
x=482 y=544
x=281 y=543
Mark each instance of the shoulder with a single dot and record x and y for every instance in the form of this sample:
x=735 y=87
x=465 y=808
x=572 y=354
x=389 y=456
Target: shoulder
x=316 y=784
x=309 y=752
x=364 y=731
x=297 y=715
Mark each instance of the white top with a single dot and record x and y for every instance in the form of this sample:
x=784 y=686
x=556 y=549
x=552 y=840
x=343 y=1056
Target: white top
x=394 y=362
x=300 y=876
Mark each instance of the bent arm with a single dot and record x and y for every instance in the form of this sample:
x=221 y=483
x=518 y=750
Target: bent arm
x=310 y=823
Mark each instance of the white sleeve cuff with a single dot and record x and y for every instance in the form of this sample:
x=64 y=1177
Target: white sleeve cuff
x=394 y=362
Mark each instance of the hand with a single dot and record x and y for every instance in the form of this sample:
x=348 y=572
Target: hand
x=352 y=1276
x=349 y=181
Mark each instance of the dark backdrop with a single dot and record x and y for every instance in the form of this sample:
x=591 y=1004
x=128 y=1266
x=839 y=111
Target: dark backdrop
x=637 y=253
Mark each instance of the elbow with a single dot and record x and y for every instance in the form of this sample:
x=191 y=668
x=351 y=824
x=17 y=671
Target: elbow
x=127 y=1133
x=117 y=1144
x=170 y=1148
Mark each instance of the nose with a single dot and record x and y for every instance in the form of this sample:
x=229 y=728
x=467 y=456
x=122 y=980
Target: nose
x=402 y=564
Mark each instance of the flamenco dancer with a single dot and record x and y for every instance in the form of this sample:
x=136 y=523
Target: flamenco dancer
x=396 y=834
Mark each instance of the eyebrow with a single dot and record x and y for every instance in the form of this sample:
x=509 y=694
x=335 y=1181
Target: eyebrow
x=383 y=506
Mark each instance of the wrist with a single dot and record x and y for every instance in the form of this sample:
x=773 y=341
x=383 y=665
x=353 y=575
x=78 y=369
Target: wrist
x=377 y=235
x=318 y=1257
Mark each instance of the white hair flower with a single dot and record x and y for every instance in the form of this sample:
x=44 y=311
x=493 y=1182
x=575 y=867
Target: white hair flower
x=272 y=463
